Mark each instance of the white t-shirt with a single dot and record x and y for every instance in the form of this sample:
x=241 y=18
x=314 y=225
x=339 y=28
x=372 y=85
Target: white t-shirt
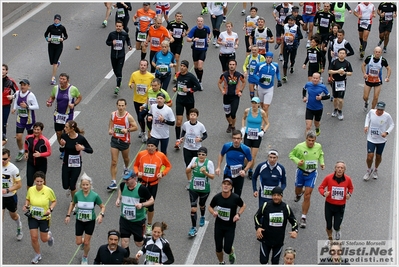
x=192 y=131
x=377 y=125
x=230 y=41
x=160 y=130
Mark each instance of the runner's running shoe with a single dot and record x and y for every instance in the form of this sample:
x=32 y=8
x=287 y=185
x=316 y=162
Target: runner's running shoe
x=192 y=232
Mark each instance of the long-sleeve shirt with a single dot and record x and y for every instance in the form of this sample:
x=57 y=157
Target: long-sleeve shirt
x=378 y=125
x=338 y=188
x=269 y=177
x=104 y=256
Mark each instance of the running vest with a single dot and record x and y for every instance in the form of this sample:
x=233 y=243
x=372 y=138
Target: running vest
x=128 y=208
x=62 y=112
x=258 y=37
x=374 y=70
x=199 y=181
x=290 y=32
x=339 y=12
x=23 y=112
x=121 y=123
x=251 y=24
x=252 y=63
x=337 y=46
x=253 y=125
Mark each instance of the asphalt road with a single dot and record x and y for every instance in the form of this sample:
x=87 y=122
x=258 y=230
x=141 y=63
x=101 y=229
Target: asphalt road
x=371 y=214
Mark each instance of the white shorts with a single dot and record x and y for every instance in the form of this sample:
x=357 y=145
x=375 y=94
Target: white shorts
x=265 y=95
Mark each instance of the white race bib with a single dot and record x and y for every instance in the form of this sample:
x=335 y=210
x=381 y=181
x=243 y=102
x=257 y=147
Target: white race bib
x=74 y=161
x=339 y=85
x=61 y=118
x=235 y=170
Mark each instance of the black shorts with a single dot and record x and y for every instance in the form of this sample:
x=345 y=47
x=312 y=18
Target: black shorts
x=251 y=142
x=180 y=108
x=337 y=94
x=360 y=29
x=316 y=114
x=324 y=38
x=28 y=128
x=128 y=228
x=385 y=27
x=119 y=144
x=279 y=30
x=176 y=48
x=194 y=195
x=247 y=44
x=137 y=32
x=10 y=203
x=199 y=55
x=58 y=127
x=43 y=225
x=312 y=70
x=84 y=227
x=373 y=84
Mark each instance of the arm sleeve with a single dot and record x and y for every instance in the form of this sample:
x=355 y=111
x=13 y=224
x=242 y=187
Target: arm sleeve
x=304 y=92
x=64 y=32
x=255 y=178
x=204 y=136
x=167 y=164
x=168 y=252
x=350 y=49
x=278 y=73
x=48 y=146
x=87 y=146
x=292 y=219
x=258 y=215
x=183 y=133
x=283 y=179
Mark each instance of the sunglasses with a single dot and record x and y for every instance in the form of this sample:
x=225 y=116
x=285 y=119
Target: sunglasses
x=4 y=159
x=201 y=154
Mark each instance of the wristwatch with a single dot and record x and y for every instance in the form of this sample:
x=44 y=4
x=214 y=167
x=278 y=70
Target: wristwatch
x=102 y=214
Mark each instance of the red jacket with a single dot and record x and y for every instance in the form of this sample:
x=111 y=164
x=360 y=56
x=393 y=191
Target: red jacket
x=9 y=88
x=337 y=191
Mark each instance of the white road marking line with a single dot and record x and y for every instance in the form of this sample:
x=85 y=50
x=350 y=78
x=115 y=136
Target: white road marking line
x=192 y=254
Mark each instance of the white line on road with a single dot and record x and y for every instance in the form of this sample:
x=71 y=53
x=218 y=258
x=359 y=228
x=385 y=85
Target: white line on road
x=196 y=245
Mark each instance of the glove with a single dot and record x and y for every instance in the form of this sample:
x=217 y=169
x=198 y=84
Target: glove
x=262 y=80
x=136 y=23
x=243 y=131
x=279 y=84
x=261 y=133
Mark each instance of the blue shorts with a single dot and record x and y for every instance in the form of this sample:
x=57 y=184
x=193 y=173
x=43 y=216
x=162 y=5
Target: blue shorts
x=378 y=148
x=307 y=18
x=305 y=179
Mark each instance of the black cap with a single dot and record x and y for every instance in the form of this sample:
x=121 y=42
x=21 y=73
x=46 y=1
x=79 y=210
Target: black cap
x=380 y=105
x=161 y=94
x=57 y=16
x=295 y=8
x=203 y=150
x=25 y=81
x=227 y=180
x=291 y=17
x=185 y=63
x=152 y=141
x=277 y=190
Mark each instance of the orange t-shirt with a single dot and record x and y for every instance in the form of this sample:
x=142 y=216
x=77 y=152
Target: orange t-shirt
x=145 y=18
x=157 y=36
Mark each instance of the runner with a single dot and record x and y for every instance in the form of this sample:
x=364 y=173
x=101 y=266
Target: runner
x=250 y=23
x=163 y=8
x=316 y=92
x=249 y=66
x=161 y=117
x=198 y=172
x=66 y=98
x=244 y=7
x=55 y=36
x=229 y=41
x=122 y=13
x=281 y=12
x=270 y=223
x=11 y=184
x=271 y=174
x=387 y=12
x=151 y=166
x=108 y=12
x=289 y=256
x=10 y=87
x=86 y=200
x=156 y=248
x=254 y=125
x=132 y=198
x=338 y=9
x=339 y=190
x=199 y=35
x=186 y=85
x=315 y=57
x=338 y=43
x=378 y=125
x=261 y=36
x=324 y=20
x=306 y=156
x=340 y=68
x=111 y=253
x=39 y=204
x=37 y=150
x=143 y=19
x=308 y=15
x=372 y=73
x=121 y=124
x=163 y=61
x=25 y=105
x=292 y=35
x=218 y=15
x=238 y=160
x=116 y=40
x=72 y=144
x=365 y=12
x=223 y=208
x=178 y=29
x=140 y=82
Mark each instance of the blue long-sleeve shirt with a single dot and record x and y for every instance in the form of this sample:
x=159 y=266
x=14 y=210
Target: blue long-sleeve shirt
x=267 y=71
x=269 y=177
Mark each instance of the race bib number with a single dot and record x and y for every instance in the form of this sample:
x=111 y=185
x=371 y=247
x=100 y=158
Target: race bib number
x=364 y=24
x=74 y=161
x=374 y=132
x=149 y=170
x=308 y=9
x=268 y=79
x=121 y=12
x=224 y=213
x=200 y=43
x=251 y=70
x=230 y=42
x=388 y=15
x=276 y=219
x=155 y=42
x=177 y=33
x=281 y=19
x=252 y=133
x=163 y=69
x=235 y=170
x=23 y=112
x=141 y=36
x=312 y=57
x=190 y=140
x=338 y=16
x=289 y=38
x=339 y=85
x=118 y=130
x=311 y=165
x=324 y=22
x=85 y=215
x=61 y=118
x=266 y=191
x=129 y=212
x=118 y=45
x=199 y=183
x=180 y=88
x=152 y=100
x=55 y=39
x=6 y=183
x=337 y=193
x=151 y=257
x=37 y=212
x=227 y=108
x=141 y=89
x=373 y=75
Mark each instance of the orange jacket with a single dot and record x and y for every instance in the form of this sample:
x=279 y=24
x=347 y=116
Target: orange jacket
x=150 y=165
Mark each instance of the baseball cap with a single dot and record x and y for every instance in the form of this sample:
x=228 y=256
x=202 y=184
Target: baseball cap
x=129 y=174
x=255 y=99
x=269 y=54
x=277 y=190
x=228 y=180
x=381 y=105
x=25 y=81
x=57 y=16
x=291 y=18
x=295 y=8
